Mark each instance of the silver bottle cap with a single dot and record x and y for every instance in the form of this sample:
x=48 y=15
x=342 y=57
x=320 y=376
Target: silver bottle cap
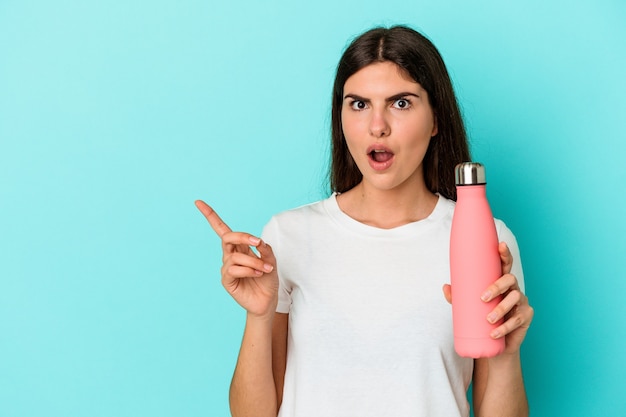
x=470 y=173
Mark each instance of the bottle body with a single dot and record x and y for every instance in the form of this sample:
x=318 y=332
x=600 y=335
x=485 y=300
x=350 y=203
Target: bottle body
x=474 y=265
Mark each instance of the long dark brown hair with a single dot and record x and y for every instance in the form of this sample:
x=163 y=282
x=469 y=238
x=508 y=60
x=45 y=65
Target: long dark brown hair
x=419 y=58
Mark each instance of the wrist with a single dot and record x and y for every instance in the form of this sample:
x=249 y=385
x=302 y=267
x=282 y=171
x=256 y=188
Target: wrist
x=260 y=319
x=507 y=363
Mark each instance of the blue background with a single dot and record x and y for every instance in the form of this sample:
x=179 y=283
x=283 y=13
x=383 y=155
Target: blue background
x=116 y=116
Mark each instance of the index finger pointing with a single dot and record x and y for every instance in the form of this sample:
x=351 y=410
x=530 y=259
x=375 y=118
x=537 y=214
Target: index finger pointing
x=217 y=224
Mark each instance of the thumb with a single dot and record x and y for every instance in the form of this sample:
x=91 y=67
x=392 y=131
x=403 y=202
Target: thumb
x=266 y=252
x=447 y=292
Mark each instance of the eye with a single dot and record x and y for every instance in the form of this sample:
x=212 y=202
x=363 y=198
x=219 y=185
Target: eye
x=358 y=105
x=402 y=103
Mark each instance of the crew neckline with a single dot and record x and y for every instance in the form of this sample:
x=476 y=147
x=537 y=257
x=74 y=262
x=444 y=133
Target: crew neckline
x=409 y=229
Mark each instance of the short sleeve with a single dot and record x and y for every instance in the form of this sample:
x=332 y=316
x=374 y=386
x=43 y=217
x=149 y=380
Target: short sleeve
x=271 y=235
x=505 y=235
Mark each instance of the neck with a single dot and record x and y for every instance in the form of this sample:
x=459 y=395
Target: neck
x=387 y=209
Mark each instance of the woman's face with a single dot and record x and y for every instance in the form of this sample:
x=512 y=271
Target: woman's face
x=388 y=123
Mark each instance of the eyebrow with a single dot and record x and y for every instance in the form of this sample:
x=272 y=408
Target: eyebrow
x=388 y=99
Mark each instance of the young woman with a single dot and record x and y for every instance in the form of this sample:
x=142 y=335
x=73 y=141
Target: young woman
x=345 y=311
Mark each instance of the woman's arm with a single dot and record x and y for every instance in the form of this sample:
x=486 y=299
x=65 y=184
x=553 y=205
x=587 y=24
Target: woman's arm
x=498 y=386
x=257 y=385
x=279 y=353
x=252 y=281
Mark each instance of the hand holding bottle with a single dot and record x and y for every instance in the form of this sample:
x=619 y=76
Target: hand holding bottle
x=514 y=307
x=249 y=278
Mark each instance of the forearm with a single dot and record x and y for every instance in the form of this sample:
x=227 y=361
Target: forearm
x=502 y=391
x=252 y=391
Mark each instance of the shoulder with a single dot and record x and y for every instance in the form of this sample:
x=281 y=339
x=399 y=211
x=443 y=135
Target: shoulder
x=301 y=213
x=445 y=210
x=296 y=219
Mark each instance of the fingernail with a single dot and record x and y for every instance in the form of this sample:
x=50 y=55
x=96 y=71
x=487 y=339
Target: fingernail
x=268 y=268
x=492 y=317
x=486 y=296
x=254 y=240
x=495 y=334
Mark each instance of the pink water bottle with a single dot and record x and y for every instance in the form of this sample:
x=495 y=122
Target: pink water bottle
x=474 y=265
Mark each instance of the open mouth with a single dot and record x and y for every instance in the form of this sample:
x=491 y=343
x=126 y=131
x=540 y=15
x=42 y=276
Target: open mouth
x=380 y=155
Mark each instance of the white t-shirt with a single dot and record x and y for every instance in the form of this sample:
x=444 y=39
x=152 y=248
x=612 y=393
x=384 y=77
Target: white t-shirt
x=370 y=332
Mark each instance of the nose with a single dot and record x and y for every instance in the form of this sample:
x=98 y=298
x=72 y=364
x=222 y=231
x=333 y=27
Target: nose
x=379 y=126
